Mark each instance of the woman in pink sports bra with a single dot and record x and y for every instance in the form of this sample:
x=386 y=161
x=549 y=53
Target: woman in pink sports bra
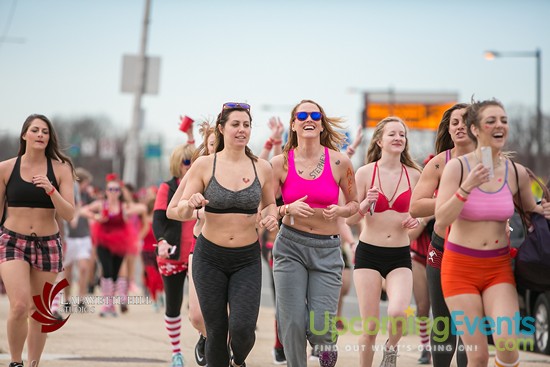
x=476 y=273
x=452 y=141
x=308 y=263
x=384 y=190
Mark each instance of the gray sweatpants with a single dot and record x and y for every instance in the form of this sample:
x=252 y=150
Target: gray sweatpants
x=307 y=270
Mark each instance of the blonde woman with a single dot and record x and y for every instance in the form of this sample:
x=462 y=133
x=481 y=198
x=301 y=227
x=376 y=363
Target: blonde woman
x=385 y=187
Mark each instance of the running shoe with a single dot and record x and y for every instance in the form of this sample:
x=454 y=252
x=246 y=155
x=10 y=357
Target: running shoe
x=425 y=357
x=279 y=357
x=177 y=360
x=199 y=351
x=390 y=357
x=16 y=364
x=314 y=356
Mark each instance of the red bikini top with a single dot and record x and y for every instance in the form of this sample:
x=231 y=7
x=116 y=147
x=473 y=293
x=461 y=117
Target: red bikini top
x=401 y=203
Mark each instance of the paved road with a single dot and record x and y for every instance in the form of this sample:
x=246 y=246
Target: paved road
x=138 y=338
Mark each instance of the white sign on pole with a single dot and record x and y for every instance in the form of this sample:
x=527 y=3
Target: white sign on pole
x=130 y=74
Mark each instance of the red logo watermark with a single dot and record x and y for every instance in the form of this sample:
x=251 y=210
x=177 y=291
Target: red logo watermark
x=43 y=313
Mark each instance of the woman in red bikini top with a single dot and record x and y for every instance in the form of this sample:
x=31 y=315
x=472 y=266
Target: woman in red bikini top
x=384 y=189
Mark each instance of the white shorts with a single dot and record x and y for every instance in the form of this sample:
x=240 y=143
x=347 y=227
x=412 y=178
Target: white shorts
x=78 y=248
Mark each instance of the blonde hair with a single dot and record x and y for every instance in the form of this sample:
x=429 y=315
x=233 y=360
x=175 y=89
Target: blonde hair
x=179 y=154
x=374 y=152
x=206 y=130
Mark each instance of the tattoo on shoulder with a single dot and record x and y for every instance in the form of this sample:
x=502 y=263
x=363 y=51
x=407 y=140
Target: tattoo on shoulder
x=337 y=162
x=437 y=166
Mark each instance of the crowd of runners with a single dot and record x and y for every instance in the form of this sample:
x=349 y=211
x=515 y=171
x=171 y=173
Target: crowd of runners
x=439 y=233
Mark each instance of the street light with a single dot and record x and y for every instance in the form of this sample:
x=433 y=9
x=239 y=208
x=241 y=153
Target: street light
x=491 y=55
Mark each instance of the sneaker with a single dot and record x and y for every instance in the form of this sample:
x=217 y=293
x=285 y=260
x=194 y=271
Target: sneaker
x=390 y=357
x=177 y=360
x=199 y=351
x=16 y=364
x=232 y=364
x=425 y=357
x=314 y=356
x=328 y=358
x=279 y=357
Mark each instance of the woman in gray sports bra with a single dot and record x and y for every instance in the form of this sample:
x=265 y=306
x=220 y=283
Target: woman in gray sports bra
x=231 y=185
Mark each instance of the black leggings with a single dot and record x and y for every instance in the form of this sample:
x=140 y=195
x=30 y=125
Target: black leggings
x=110 y=263
x=225 y=276
x=173 y=289
x=443 y=351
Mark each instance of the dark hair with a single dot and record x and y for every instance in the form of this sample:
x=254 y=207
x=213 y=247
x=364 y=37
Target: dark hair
x=443 y=140
x=374 y=151
x=223 y=117
x=330 y=137
x=472 y=116
x=52 y=149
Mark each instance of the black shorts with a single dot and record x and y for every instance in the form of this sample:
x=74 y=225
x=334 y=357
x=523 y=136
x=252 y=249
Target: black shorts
x=382 y=259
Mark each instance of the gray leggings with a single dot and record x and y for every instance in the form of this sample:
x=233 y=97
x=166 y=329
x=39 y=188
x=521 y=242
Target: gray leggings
x=307 y=270
x=225 y=276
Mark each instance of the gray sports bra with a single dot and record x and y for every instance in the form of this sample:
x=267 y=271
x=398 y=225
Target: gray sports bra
x=222 y=200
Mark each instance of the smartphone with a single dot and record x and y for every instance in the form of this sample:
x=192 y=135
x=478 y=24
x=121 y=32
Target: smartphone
x=371 y=208
x=487 y=160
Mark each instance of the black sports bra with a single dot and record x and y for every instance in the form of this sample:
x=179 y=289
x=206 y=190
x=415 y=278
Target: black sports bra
x=20 y=193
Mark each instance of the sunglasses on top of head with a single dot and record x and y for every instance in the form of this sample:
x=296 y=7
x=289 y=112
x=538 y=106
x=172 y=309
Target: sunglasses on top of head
x=230 y=105
x=315 y=116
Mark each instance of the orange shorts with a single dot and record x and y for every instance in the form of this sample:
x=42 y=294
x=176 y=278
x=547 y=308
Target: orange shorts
x=469 y=271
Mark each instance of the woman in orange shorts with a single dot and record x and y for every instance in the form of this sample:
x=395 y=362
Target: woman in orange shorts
x=476 y=272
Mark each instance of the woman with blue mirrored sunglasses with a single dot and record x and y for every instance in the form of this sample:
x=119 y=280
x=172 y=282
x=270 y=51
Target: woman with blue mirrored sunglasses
x=307 y=258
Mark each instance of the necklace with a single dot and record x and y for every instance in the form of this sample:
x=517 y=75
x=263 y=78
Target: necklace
x=494 y=165
x=396 y=187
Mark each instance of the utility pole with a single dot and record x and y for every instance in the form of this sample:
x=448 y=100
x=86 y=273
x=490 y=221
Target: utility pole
x=132 y=142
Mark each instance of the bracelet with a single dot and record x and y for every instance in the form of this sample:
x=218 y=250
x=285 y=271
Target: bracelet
x=460 y=197
x=192 y=141
x=466 y=192
x=360 y=212
x=279 y=211
x=287 y=210
x=51 y=192
x=268 y=145
x=275 y=142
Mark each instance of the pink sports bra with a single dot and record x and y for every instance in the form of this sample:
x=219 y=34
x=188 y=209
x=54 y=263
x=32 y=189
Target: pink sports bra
x=401 y=203
x=321 y=192
x=495 y=206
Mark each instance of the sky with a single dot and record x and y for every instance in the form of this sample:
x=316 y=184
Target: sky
x=270 y=54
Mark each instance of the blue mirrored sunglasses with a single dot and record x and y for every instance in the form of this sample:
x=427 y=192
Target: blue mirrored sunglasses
x=186 y=162
x=227 y=105
x=315 y=116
